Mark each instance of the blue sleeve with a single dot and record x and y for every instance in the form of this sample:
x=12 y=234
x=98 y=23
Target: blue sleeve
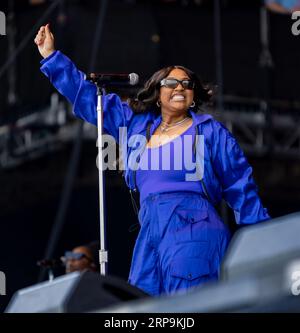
x=235 y=174
x=71 y=83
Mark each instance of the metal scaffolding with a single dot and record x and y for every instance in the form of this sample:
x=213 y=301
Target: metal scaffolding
x=51 y=128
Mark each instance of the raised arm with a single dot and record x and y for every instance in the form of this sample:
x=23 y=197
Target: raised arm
x=71 y=83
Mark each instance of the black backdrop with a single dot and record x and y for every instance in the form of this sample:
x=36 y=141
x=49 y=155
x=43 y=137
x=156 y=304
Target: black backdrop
x=146 y=36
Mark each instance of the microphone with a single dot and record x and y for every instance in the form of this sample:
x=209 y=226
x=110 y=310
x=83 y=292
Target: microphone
x=114 y=79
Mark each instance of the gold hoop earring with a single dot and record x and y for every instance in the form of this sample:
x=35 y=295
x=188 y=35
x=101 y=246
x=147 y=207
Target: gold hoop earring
x=193 y=104
x=158 y=104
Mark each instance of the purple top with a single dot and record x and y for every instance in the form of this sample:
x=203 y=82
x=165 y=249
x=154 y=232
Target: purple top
x=164 y=168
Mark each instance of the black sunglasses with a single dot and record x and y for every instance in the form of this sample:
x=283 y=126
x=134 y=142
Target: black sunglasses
x=173 y=83
x=75 y=256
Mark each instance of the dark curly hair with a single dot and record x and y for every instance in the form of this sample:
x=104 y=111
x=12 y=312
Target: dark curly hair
x=148 y=96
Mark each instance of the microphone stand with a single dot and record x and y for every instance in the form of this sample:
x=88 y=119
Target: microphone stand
x=103 y=258
x=100 y=83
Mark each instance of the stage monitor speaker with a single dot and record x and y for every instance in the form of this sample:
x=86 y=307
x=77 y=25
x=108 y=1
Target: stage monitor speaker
x=266 y=248
x=257 y=275
x=73 y=293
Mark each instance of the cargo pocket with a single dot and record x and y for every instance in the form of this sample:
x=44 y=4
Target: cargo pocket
x=191 y=225
x=192 y=215
x=188 y=272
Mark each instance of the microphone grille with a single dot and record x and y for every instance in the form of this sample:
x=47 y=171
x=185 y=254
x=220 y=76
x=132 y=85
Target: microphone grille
x=133 y=79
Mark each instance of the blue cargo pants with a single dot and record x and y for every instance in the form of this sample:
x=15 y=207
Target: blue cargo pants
x=181 y=243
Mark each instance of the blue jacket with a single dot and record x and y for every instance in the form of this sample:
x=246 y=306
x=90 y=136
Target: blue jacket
x=227 y=173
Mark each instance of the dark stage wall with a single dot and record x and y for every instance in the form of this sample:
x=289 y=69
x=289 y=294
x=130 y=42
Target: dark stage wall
x=144 y=37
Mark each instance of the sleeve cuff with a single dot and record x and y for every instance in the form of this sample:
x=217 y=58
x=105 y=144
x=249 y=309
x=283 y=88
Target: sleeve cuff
x=43 y=61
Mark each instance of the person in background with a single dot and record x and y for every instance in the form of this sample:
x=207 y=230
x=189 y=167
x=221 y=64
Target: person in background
x=82 y=258
x=283 y=6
